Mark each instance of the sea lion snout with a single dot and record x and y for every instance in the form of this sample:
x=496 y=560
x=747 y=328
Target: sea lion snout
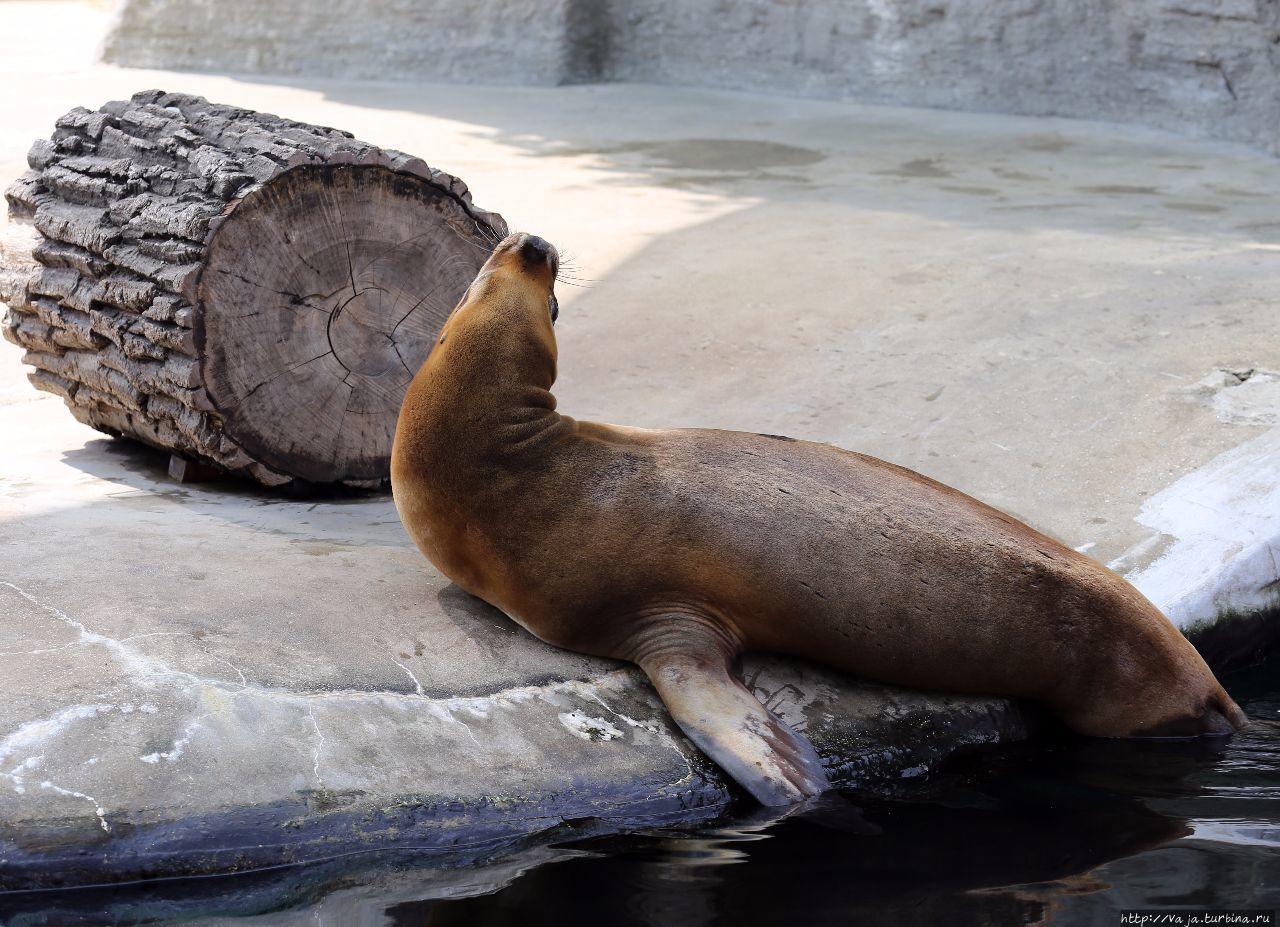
x=535 y=250
x=528 y=254
x=530 y=259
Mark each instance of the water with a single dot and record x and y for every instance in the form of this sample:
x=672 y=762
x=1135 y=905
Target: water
x=1048 y=832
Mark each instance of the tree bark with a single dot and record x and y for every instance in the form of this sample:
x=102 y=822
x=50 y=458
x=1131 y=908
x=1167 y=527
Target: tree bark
x=248 y=292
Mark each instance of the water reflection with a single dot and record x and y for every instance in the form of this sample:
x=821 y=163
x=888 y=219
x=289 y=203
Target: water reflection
x=813 y=867
x=1064 y=832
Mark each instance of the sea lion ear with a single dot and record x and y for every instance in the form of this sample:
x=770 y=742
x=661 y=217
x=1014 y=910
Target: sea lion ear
x=728 y=723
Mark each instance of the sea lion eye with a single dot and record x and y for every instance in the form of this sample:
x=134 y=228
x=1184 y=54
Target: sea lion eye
x=554 y=305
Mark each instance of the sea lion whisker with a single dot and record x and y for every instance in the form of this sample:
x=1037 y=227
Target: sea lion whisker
x=486 y=232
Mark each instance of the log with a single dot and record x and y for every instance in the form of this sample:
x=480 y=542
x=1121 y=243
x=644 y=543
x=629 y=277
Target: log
x=247 y=292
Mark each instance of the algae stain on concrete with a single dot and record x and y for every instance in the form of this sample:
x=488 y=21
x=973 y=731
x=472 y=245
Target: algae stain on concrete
x=684 y=181
x=727 y=154
x=1009 y=174
x=1045 y=141
x=319 y=548
x=969 y=190
x=919 y=168
x=1206 y=208
x=1118 y=189
x=705 y=154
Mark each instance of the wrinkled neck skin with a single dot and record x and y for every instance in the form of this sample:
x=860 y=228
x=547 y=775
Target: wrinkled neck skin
x=477 y=420
x=484 y=394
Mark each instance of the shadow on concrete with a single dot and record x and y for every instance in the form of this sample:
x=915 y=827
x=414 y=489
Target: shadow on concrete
x=369 y=519
x=131 y=463
x=351 y=603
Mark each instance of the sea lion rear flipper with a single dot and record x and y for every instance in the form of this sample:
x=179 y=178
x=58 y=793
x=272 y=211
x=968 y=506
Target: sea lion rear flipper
x=715 y=710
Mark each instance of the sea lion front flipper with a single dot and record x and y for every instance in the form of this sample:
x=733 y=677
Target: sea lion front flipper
x=728 y=723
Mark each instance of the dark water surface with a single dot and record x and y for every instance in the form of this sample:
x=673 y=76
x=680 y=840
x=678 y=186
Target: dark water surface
x=1055 y=831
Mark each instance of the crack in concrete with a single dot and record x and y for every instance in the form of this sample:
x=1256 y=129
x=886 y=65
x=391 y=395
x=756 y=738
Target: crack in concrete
x=444 y=714
x=148 y=668
x=144 y=665
x=315 y=756
x=244 y=683
x=179 y=744
x=33 y=738
x=97 y=808
x=37 y=732
x=417 y=685
x=15 y=774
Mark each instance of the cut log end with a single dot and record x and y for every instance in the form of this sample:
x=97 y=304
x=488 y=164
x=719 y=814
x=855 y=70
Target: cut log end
x=241 y=290
x=320 y=296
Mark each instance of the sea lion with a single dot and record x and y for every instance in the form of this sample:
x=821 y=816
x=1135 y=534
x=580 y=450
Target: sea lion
x=678 y=549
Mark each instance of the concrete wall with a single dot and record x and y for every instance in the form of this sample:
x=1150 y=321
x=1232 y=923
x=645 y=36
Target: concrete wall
x=1204 y=67
x=1209 y=68
x=479 y=41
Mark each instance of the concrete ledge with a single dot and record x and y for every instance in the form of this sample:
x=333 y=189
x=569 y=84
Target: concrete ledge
x=1217 y=549
x=457 y=778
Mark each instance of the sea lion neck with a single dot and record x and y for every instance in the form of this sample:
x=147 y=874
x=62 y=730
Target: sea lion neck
x=485 y=389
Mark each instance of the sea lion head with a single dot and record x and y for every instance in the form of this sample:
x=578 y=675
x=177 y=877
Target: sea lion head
x=521 y=269
x=503 y=322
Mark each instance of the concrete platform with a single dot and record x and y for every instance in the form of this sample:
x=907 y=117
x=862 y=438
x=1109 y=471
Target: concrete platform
x=1074 y=322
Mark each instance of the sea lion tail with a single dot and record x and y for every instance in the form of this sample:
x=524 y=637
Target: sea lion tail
x=1215 y=716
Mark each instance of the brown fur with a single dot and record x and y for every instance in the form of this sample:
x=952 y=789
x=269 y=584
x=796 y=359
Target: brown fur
x=649 y=544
